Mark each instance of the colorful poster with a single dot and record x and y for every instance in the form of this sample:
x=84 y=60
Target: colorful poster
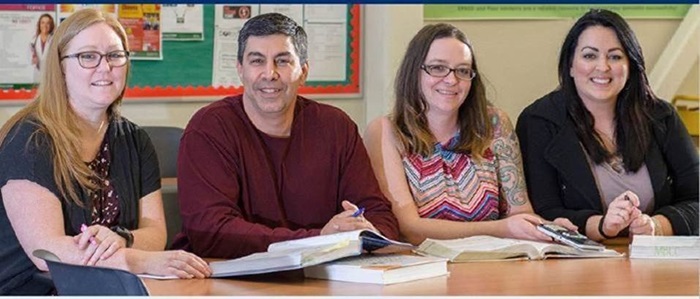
x=65 y=10
x=182 y=22
x=142 y=25
x=514 y=11
x=25 y=35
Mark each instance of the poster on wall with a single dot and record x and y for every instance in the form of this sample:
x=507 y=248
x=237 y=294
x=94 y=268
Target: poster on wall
x=25 y=33
x=325 y=25
x=171 y=79
x=228 y=21
x=65 y=10
x=142 y=25
x=182 y=22
x=295 y=12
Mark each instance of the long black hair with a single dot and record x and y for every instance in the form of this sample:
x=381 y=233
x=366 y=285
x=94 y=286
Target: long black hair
x=632 y=118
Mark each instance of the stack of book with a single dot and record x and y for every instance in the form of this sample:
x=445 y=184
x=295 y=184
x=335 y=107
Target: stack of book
x=356 y=256
x=380 y=269
x=301 y=253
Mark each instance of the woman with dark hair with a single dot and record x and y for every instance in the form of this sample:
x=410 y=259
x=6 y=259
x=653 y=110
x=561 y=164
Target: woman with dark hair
x=40 y=42
x=446 y=158
x=602 y=150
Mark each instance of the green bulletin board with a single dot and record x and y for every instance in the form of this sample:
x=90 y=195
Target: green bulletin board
x=186 y=69
x=184 y=62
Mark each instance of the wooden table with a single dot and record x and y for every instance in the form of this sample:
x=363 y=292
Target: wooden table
x=560 y=277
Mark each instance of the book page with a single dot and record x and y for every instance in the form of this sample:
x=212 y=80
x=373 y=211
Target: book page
x=565 y=251
x=477 y=243
x=675 y=241
x=158 y=277
x=543 y=247
x=386 y=261
x=322 y=254
x=317 y=241
x=260 y=262
x=477 y=248
x=377 y=243
x=493 y=248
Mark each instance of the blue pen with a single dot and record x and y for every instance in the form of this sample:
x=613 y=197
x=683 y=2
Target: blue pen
x=358 y=212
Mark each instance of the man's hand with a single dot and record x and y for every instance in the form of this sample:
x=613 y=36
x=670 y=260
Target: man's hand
x=347 y=220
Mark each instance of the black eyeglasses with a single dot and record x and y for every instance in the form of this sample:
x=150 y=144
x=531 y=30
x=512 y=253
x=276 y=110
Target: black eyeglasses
x=92 y=59
x=441 y=71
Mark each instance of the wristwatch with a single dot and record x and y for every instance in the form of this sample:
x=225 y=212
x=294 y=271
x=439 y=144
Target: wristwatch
x=124 y=233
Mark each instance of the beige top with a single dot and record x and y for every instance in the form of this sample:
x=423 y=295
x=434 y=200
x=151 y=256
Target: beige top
x=612 y=180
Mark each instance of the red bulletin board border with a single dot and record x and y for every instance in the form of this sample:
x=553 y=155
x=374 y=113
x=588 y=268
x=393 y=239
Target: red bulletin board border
x=150 y=93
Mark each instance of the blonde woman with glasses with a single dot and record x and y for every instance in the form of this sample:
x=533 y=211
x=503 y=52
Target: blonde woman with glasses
x=447 y=159
x=77 y=178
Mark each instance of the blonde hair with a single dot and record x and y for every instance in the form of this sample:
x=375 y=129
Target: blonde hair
x=51 y=109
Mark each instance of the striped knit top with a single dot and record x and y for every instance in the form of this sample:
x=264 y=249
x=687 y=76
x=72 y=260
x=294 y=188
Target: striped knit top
x=453 y=186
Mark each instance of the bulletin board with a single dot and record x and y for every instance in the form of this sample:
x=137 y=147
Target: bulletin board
x=185 y=72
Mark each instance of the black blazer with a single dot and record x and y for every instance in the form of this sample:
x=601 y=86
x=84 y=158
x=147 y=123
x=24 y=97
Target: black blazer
x=561 y=184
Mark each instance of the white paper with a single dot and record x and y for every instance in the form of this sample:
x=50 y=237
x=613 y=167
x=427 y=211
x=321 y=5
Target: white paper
x=158 y=277
x=182 y=21
x=228 y=21
x=325 y=25
x=17 y=30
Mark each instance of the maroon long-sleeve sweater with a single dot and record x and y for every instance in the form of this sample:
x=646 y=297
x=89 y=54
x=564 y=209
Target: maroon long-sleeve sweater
x=240 y=190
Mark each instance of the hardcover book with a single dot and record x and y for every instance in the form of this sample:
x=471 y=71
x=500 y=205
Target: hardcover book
x=665 y=247
x=300 y=253
x=380 y=269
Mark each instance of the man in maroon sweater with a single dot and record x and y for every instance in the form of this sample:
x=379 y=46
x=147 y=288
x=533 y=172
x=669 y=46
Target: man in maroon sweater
x=269 y=165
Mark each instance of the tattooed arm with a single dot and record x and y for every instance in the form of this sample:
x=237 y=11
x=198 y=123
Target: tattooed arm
x=509 y=164
x=383 y=148
x=515 y=204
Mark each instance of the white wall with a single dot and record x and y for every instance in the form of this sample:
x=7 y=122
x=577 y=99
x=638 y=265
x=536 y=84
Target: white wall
x=388 y=29
x=521 y=65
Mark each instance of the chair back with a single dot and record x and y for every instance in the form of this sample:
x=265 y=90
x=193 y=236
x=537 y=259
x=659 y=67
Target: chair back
x=78 y=280
x=166 y=140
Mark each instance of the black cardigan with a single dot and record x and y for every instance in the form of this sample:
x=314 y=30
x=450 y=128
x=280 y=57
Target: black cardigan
x=561 y=184
x=27 y=155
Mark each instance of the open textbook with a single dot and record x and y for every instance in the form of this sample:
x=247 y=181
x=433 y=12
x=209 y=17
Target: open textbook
x=480 y=248
x=380 y=269
x=300 y=253
x=665 y=247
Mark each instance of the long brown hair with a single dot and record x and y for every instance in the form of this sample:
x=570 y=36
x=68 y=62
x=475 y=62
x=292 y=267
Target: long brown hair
x=52 y=113
x=38 y=24
x=409 y=114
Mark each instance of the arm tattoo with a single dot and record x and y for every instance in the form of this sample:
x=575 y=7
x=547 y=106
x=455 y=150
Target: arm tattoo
x=509 y=162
